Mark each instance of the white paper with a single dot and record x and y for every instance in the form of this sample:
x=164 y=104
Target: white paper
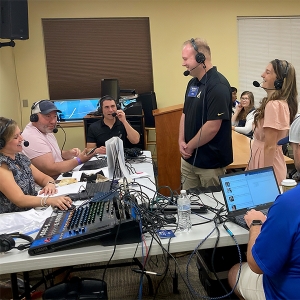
x=25 y=222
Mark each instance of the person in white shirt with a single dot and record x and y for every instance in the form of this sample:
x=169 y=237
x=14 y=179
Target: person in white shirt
x=243 y=116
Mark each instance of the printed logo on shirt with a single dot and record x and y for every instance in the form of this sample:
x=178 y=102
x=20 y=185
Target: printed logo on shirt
x=220 y=114
x=193 y=91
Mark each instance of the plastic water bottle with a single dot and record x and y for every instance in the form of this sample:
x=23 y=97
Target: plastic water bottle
x=184 y=212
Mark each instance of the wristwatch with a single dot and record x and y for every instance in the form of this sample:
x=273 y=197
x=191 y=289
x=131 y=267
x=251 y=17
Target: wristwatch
x=255 y=222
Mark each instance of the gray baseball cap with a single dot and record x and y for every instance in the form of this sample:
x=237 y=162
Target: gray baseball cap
x=44 y=107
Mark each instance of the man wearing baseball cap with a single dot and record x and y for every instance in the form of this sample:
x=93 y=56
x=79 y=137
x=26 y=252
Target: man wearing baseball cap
x=43 y=149
x=272 y=270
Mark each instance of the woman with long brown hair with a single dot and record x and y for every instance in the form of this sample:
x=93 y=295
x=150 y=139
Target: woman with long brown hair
x=243 y=116
x=274 y=116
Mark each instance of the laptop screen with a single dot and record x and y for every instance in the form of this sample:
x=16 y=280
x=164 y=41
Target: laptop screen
x=249 y=189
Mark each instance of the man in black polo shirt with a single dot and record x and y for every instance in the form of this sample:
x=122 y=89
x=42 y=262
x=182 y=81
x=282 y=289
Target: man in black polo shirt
x=112 y=124
x=205 y=126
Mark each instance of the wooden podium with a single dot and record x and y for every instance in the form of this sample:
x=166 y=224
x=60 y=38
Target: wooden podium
x=168 y=156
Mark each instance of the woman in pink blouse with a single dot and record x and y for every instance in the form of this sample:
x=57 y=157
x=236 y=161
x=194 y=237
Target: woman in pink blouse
x=274 y=116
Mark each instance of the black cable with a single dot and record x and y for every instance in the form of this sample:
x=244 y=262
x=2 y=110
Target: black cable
x=65 y=138
x=250 y=144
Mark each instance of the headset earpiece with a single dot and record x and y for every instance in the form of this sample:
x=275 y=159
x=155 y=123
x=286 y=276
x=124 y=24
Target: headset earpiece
x=7 y=241
x=99 y=108
x=2 y=141
x=279 y=81
x=34 y=117
x=200 y=57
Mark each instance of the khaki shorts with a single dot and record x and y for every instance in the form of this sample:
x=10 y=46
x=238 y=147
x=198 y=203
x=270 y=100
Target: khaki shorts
x=192 y=176
x=250 y=284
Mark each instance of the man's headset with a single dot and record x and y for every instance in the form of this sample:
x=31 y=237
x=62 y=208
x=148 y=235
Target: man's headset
x=7 y=241
x=200 y=57
x=3 y=128
x=34 y=117
x=279 y=81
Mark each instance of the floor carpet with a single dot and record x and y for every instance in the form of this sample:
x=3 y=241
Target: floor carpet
x=123 y=283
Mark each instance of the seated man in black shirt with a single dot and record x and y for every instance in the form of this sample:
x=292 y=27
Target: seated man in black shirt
x=114 y=123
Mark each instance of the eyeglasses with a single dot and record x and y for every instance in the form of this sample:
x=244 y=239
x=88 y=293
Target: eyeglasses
x=244 y=98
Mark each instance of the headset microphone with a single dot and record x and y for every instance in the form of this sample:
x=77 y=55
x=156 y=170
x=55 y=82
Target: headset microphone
x=114 y=114
x=257 y=84
x=188 y=72
x=26 y=143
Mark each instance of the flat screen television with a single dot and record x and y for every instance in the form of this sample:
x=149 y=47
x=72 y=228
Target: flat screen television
x=75 y=109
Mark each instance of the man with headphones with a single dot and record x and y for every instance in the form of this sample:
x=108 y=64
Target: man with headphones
x=112 y=124
x=205 y=126
x=43 y=149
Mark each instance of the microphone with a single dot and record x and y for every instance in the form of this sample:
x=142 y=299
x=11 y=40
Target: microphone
x=26 y=143
x=114 y=114
x=187 y=72
x=55 y=129
x=257 y=84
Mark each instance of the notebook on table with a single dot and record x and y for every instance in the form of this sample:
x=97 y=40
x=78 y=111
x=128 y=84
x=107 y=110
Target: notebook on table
x=249 y=189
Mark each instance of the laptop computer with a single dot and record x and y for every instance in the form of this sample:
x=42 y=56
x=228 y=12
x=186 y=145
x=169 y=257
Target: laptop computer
x=249 y=189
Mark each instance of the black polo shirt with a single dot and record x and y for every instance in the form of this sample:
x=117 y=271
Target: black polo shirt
x=99 y=132
x=209 y=99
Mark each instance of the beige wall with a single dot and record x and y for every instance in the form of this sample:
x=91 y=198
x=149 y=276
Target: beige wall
x=171 y=23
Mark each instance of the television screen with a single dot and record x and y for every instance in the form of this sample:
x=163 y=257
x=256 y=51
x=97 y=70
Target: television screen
x=75 y=109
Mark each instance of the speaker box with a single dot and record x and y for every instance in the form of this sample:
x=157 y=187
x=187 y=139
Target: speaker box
x=14 y=19
x=135 y=109
x=148 y=101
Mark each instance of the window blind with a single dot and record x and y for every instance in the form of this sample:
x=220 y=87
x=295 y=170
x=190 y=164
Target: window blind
x=262 y=39
x=81 y=52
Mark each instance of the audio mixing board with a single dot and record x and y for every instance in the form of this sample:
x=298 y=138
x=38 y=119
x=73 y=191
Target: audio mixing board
x=104 y=216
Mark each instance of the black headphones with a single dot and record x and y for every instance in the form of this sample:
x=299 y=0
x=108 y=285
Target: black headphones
x=200 y=57
x=100 y=103
x=279 y=82
x=34 y=117
x=7 y=241
x=3 y=128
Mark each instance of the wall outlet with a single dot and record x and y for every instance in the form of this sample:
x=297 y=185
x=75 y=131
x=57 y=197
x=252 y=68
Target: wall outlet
x=25 y=103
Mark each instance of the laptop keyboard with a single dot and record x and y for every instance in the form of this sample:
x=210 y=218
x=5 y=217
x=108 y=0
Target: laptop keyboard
x=240 y=219
x=93 y=188
x=94 y=164
x=90 y=190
